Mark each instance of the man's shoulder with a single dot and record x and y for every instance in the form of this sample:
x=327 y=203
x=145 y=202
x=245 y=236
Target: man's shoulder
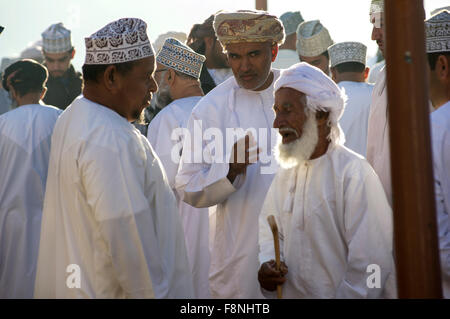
x=441 y=116
x=216 y=100
x=93 y=122
x=349 y=161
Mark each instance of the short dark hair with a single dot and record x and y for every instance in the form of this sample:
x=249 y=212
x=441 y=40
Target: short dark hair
x=29 y=77
x=350 y=67
x=91 y=72
x=325 y=54
x=433 y=57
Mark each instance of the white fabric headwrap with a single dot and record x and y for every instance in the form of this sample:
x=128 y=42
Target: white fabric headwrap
x=322 y=94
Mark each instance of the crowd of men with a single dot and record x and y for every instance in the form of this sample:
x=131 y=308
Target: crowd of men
x=153 y=173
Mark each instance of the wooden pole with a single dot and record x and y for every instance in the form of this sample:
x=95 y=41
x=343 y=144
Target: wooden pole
x=261 y=5
x=415 y=230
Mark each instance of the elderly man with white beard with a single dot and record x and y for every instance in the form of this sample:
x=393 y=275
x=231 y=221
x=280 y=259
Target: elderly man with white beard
x=334 y=221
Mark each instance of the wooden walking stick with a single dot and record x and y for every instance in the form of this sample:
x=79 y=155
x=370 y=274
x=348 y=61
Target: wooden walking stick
x=274 y=228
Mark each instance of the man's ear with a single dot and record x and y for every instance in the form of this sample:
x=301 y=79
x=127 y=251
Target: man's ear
x=72 y=54
x=44 y=90
x=322 y=117
x=170 y=76
x=13 y=92
x=274 y=52
x=112 y=79
x=366 y=73
x=442 y=68
x=334 y=74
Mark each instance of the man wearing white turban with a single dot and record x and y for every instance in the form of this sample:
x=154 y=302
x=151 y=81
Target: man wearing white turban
x=334 y=221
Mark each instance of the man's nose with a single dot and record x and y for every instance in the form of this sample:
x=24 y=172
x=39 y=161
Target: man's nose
x=245 y=64
x=375 y=34
x=279 y=121
x=153 y=85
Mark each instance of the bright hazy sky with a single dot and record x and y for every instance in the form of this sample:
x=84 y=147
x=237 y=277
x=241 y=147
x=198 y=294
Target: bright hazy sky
x=24 y=20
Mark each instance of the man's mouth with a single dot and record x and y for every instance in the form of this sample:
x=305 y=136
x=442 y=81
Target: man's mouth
x=288 y=134
x=248 y=77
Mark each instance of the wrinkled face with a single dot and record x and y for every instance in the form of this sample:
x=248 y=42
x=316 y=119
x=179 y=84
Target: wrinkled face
x=58 y=63
x=137 y=88
x=290 y=115
x=377 y=32
x=251 y=64
x=319 y=61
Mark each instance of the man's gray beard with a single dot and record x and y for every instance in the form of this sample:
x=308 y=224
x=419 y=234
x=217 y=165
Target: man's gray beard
x=298 y=151
x=162 y=96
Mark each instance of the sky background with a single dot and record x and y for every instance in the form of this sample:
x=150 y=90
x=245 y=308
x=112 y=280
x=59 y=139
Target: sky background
x=25 y=20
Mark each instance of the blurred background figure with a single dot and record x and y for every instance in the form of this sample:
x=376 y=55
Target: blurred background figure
x=64 y=84
x=313 y=40
x=25 y=136
x=203 y=40
x=178 y=72
x=348 y=69
x=155 y=104
x=287 y=55
x=438 y=52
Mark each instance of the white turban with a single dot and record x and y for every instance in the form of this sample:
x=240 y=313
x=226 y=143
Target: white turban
x=322 y=94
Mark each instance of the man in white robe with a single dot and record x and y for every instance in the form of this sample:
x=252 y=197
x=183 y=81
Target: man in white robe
x=179 y=70
x=110 y=226
x=208 y=177
x=287 y=55
x=25 y=135
x=348 y=70
x=335 y=224
x=378 y=149
x=438 y=49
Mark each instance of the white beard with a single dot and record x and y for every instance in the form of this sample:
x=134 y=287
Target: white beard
x=294 y=153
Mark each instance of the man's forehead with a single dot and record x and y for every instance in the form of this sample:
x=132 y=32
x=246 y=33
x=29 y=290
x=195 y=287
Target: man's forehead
x=56 y=55
x=289 y=93
x=246 y=46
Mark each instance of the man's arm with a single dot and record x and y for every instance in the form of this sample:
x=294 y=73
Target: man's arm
x=268 y=276
x=114 y=187
x=368 y=234
x=205 y=176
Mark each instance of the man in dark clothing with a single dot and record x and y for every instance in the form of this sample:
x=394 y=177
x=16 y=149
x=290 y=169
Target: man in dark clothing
x=64 y=83
x=202 y=39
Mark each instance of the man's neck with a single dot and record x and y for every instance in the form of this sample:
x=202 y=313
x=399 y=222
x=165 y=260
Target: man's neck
x=193 y=89
x=30 y=98
x=351 y=77
x=268 y=83
x=320 y=150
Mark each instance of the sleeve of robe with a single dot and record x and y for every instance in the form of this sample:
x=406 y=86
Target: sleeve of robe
x=441 y=159
x=202 y=181
x=159 y=134
x=131 y=222
x=368 y=234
